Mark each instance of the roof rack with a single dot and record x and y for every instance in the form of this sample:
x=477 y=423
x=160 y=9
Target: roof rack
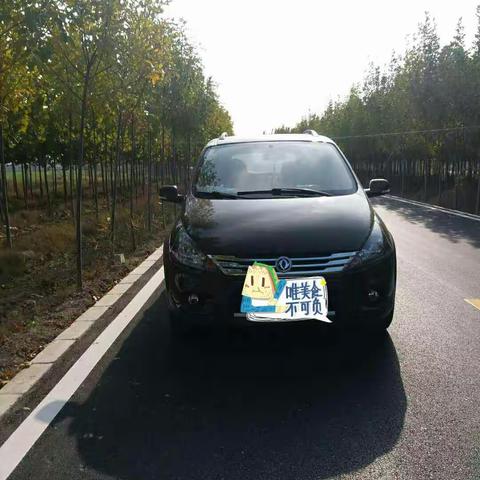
x=310 y=132
x=223 y=136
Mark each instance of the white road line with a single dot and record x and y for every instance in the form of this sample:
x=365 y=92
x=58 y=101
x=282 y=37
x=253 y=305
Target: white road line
x=457 y=213
x=475 y=302
x=24 y=437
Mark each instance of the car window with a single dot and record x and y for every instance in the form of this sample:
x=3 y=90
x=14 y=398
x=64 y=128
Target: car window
x=266 y=165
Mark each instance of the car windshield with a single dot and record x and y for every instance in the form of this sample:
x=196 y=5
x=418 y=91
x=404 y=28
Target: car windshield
x=274 y=168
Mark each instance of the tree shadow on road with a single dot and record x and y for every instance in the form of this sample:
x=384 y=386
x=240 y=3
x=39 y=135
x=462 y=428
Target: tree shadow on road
x=263 y=403
x=451 y=227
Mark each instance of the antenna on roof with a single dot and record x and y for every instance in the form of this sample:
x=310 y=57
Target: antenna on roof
x=223 y=136
x=310 y=132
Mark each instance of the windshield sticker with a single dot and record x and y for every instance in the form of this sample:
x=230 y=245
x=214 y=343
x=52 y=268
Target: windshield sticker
x=265 y=295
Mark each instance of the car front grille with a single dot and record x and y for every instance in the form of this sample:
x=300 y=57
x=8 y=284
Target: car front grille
x=301 y=266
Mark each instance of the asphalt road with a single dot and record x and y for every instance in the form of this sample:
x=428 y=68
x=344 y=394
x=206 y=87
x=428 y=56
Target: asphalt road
x=297 y=402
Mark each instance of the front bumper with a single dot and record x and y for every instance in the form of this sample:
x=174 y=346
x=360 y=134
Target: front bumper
x=219 y=295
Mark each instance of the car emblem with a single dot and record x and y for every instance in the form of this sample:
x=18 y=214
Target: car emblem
x=284 y=264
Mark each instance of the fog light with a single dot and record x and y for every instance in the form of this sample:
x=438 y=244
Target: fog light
x=185 y=283
x=373 y=295
x=193 y=299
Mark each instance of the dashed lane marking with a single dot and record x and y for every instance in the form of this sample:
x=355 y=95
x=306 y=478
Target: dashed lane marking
x=474 y=301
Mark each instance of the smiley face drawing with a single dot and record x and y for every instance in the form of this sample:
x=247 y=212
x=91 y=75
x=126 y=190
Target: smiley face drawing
x=261 y=290
x=260 y=283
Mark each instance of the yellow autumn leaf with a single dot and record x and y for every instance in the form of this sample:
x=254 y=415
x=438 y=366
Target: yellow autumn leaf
x=155 y=77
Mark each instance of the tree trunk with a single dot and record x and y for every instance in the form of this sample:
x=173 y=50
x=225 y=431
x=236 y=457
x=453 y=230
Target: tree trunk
x=47 y=190
x=112 y=156
x=4 y=190
x=70 y=163
x=31 y=180
x=54 y=193
x=15 y=186
x=90 y=177
x=477 y=202
x=132 y=163
x=115 y=178
x=149 y=182
x=440 y=173
x=40 y=179
x=104 y=166
x=64 y=180
x=425 y=180
x=123 y=171
x=163 y=160
x=95 y=188
x=78 y=216
x=135 y=180
x=2 y=213
x=163 y=215
x=189 y=162
x=402 y=173
x=455 y=192
x=102 y=176
x=143 y=173
x=25 y=183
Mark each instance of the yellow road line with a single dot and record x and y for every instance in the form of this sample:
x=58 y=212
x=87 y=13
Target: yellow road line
x=474 y=301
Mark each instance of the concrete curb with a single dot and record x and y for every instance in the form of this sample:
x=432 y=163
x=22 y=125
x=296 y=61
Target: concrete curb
x=41 y=364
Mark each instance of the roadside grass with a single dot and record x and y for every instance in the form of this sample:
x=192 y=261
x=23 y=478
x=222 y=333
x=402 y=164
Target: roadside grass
x=37 y=195
x=11 y=264
x=38 y=294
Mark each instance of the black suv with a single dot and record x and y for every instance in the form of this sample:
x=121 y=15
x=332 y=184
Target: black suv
x=289 y=201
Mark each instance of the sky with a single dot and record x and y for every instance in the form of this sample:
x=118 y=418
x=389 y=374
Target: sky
x=274 y=61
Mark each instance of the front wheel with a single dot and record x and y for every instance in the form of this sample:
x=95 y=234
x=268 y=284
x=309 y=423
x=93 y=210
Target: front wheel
x=380 y=325
x=180 y=324
x=369 y=327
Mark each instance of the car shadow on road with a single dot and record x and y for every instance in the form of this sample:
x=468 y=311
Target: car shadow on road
x=296 y=402
x=451 y=227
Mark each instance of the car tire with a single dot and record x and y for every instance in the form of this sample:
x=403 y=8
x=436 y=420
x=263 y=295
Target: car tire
x=180 y=325
x=373 y=326
x=381 y=325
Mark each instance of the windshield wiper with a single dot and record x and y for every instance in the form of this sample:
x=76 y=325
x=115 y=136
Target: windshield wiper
x=215 y=194
x=289 y=191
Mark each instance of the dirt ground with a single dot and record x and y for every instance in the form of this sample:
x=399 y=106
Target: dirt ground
x=38 y=293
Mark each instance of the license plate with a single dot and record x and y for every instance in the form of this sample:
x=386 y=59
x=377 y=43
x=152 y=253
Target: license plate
x=294 y=299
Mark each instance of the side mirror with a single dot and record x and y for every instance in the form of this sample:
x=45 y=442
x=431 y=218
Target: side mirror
x=378 y=186
x=169 y=193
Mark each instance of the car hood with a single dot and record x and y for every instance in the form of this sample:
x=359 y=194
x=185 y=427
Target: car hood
x=278 y=226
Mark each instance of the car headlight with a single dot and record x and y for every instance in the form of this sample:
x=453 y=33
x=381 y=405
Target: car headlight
x=185 y=251
x=375 y=247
